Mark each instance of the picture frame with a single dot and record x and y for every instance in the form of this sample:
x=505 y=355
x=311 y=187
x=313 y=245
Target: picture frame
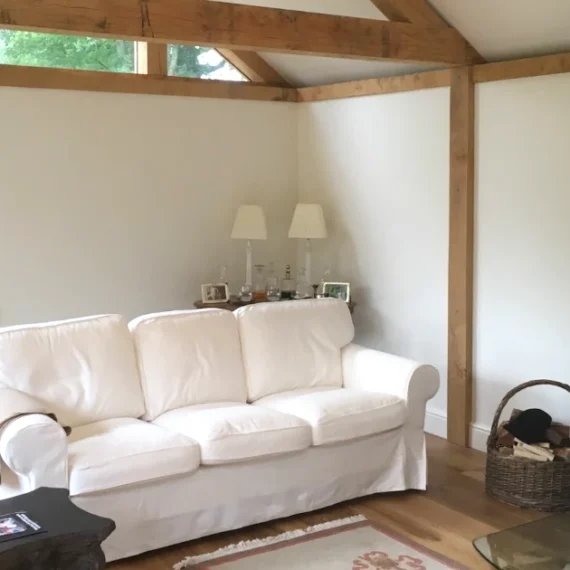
x=337 y=290
x=215 y=293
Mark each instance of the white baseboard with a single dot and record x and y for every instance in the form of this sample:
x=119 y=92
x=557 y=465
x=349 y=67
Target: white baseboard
x=436 y=424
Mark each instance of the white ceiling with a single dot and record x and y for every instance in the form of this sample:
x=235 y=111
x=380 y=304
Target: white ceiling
x=498 y=29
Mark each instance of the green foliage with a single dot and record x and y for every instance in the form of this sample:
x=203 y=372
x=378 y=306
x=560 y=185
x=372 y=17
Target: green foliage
x=195 y=61
x=95 y=54
x=71 y=52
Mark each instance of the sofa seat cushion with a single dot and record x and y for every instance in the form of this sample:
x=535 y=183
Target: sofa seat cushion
x=232 y=432
x=340 y=414
x=114 y=453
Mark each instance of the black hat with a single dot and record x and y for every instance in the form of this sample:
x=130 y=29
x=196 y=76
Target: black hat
x=530 y=426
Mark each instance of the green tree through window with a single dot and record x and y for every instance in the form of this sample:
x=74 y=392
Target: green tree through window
x=195 y=61
x=70 y=52
x=95 y=54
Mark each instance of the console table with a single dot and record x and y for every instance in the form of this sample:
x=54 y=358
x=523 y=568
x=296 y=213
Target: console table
x=72 y=540
x=234 y=303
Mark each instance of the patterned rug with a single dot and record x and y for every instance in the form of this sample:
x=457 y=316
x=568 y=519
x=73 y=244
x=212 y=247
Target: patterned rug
x=347 y=544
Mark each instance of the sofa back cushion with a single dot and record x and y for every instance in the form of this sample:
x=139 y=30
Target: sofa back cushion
x=188 y=358
x=293 y=345
x=83 y=370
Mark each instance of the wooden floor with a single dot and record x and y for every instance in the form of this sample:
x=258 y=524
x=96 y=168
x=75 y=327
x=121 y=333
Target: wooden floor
x=446 y=518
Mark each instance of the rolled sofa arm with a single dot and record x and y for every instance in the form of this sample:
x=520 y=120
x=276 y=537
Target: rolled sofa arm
x=374 y=371
x=32 y=444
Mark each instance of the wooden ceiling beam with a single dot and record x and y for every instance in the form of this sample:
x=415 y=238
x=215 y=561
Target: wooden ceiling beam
x=236 y=26
x=414 y=11
x=421 y=13
x=380 y=86
x=253 y=66
x=105 y=82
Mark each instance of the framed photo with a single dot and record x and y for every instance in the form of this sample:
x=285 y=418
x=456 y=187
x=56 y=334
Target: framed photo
x=213 y=293
x=337 y=290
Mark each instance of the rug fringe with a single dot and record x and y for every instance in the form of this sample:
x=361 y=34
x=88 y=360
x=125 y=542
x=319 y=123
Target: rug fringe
x=244 y=546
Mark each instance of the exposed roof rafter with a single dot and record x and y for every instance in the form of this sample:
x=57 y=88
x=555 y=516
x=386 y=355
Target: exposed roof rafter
x=253 y=66
x=236 y=26
x=418 y=12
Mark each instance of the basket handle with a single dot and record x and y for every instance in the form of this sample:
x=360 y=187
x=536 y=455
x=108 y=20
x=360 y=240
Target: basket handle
x=492 y=441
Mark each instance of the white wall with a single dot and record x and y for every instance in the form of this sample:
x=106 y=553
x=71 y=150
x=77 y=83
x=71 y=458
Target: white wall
x=522 y=298
x=125 y=203
x=380 y=167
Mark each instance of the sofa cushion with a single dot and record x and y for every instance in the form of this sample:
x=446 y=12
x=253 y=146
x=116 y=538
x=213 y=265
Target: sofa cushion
x=340 y=414
x=120 y=452
x=188 y=358
x=229 y=432
x=83 y=370
x=293 y=345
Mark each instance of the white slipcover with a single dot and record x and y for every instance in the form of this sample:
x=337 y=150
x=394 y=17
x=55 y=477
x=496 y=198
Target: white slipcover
x=34 y=447
x=188 y=358
x=120 y=452
x=230 y=432
x=83 y=370
x=339 y=414
x=293 y=345
x=369 y=370
x=147 y=478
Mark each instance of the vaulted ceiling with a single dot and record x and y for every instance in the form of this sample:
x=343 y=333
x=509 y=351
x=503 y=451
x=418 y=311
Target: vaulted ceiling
x=498 y=29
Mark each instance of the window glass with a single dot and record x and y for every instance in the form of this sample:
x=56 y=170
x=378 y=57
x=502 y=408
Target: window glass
x=200 y=62
x=70 y=52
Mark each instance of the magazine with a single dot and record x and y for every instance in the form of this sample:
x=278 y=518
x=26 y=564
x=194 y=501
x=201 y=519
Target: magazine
x=17 y=525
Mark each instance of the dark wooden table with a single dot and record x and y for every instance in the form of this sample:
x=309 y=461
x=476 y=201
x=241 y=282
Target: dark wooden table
x=234 y=303
x=72 y=541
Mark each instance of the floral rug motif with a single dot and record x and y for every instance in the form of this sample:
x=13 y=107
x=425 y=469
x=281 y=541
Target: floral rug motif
x=348 y=544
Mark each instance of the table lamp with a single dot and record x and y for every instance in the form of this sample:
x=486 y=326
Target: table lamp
x=249 y=224
x=308 y=224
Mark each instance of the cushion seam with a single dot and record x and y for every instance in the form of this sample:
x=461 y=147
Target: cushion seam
x=99 y=489
x=190 y=445
x=231 y=436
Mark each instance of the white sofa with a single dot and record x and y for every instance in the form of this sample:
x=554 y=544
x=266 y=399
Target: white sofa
x=191 y=423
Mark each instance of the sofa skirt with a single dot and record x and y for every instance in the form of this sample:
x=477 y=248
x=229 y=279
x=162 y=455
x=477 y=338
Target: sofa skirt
x=216 y=499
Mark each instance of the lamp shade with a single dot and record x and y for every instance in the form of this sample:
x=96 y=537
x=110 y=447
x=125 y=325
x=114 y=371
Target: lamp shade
x=250 y=223
x=308 y=222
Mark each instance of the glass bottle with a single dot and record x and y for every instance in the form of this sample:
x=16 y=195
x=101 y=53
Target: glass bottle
x=288 y=285
x=259 y=293
x=320 y=293
x=303 y=289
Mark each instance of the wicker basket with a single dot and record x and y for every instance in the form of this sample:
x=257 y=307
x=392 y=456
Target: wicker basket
x=540 y=485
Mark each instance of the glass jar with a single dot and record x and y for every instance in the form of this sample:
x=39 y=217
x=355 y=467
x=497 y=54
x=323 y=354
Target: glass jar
x=272 y=287
x=246 y=294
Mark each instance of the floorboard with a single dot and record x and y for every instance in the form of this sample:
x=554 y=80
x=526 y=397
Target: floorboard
x=446 y=518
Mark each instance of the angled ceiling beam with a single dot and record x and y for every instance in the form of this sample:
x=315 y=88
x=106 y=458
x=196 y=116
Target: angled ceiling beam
x=417 y=12
x=414 y=11
x=253 y=66
x=235 y=26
